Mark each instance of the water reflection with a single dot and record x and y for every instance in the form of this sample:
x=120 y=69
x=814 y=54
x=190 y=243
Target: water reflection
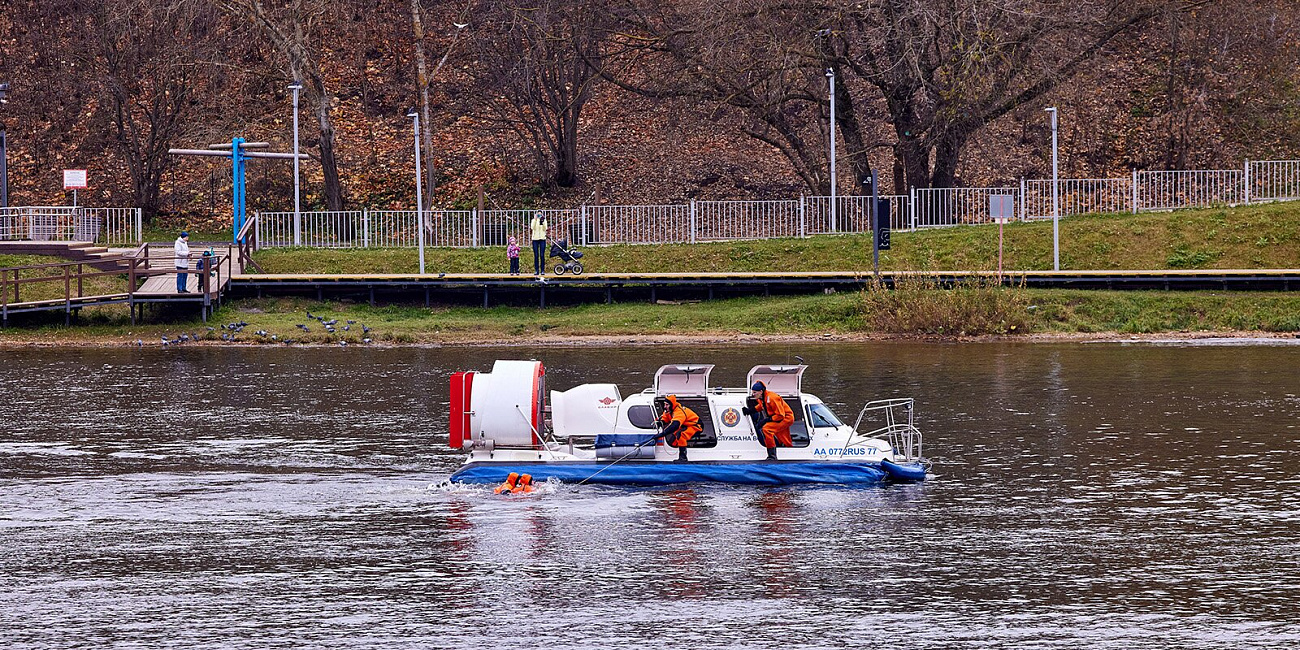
x=1103 y=496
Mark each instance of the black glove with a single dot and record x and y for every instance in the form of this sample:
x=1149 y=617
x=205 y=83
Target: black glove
x=751 y=402
x=746 y=410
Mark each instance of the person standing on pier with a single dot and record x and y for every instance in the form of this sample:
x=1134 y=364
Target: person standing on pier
x=182 y=262
x=512 y=254
x=538 y=228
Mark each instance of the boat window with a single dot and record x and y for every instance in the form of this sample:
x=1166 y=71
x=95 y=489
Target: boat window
x=641 y=416
x=822 y=416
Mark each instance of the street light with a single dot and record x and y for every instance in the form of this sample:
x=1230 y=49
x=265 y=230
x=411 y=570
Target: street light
x=419 y=196
x=4 y=154
x=1056 y=201
x=297 y=208
x=830 y=74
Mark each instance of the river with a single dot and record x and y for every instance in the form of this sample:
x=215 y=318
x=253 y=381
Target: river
x=1083 y=496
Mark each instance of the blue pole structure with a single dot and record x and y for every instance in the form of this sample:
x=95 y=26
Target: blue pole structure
x=237 y=182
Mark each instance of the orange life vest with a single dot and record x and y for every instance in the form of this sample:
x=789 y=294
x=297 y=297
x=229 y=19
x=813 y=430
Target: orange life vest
x=509 y=485
x=686 y=418
x=525 y=484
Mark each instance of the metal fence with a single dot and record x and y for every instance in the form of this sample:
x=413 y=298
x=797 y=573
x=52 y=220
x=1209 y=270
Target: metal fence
x=698 y=221
x=107 y=226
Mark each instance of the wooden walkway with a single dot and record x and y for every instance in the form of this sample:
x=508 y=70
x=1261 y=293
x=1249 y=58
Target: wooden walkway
x=144 y=278
x=459 y=287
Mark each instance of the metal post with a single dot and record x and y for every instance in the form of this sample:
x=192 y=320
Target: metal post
x=1056 y=206
x=803 y=232
x=4 y=170
x=297 y=194
x=1245 y=181
x=1022 y=209
x=1135 y=191
x=473 y=228
x=874 y=197
x=583 y=227
x=419 y=195
x=830 y=74
x=692 y=221
x=237 y=181
x=365 y=227
x=4 y=154
x=139 y=226
x=911 y=208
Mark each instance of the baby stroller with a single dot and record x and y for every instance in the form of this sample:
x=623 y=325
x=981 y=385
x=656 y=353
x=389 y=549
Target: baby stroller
x=570 y=256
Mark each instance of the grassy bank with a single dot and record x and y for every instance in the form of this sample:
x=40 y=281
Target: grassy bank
x=968 y=311
x=1258 y=236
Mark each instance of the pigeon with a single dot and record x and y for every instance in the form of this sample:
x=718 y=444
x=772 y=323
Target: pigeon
x=309 y=314
x=303 y=327
x=352 y=322
x=365 y=340
x=275 y=338
x=442 y=275
x=332 y=321
x=343 y=344
x=347 y=327
x=185 y=337
x=260 y=333
x=365 y=330
x=139 y=343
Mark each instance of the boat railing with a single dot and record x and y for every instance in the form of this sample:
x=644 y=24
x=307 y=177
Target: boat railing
x=893 y=419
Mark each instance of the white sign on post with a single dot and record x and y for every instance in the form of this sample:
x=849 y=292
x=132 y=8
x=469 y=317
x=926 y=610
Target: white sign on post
x=74 y=179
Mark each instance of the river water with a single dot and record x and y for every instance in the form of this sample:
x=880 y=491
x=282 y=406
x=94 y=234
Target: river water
x=1083 y=496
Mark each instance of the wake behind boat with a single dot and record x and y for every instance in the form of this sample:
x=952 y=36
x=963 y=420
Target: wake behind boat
x=681 y=430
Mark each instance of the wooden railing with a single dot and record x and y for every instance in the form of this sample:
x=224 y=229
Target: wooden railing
x=246 y=242
x=138 y=269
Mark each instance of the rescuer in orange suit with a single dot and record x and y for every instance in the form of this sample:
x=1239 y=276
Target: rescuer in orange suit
x=679 y=425
x=772 y=418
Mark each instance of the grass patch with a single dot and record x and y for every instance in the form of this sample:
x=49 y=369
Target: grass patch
x=1257 y=236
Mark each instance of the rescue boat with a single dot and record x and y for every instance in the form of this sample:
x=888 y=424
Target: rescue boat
x=596 y=435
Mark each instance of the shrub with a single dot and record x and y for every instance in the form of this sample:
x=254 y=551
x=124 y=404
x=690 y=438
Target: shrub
x=925 y=304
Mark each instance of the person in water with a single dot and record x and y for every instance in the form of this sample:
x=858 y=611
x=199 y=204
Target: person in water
x=679 y=425
x=772 y=418
x=515 y=483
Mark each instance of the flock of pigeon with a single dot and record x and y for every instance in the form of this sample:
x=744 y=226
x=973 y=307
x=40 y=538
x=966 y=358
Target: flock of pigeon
x=230 y=332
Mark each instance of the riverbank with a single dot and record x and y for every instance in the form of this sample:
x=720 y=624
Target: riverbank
x=966 y=313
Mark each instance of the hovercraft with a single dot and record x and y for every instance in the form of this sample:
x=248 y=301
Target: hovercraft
x=595 y=435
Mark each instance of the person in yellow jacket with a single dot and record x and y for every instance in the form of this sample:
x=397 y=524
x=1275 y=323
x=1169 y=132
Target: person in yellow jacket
x=679 y=425
x=538 y=229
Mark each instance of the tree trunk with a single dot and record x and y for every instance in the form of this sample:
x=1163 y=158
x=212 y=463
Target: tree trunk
x=330 y=168
x=422 y=83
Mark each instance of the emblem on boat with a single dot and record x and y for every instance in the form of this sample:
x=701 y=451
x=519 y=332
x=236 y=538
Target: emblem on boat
x=731 y=417
x=607 y=401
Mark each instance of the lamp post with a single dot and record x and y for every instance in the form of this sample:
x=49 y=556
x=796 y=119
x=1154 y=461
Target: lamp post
x=297 y=207
x=4 y=154
x=1056 y=201
x=419 y=196
x=830 y=74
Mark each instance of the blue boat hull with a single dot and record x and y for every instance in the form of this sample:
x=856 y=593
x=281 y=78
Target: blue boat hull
x=662 y=473
x=904 y=472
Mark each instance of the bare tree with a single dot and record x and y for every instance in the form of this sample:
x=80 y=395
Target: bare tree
x=422 y=81
x=940 y=71
x=148 y=61
x=536 y=73
x=291 y=30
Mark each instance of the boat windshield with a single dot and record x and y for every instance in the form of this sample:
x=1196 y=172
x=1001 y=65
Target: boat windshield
x=822 y=416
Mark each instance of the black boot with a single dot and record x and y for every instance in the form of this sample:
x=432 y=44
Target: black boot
x=681 y=455
x=771 y=453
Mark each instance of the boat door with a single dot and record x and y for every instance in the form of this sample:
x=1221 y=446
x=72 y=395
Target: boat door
x=786 y=381
x=683 y=380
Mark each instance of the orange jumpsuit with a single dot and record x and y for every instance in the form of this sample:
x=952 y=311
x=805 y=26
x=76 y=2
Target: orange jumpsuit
x=776 y=431
x=688 y=423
